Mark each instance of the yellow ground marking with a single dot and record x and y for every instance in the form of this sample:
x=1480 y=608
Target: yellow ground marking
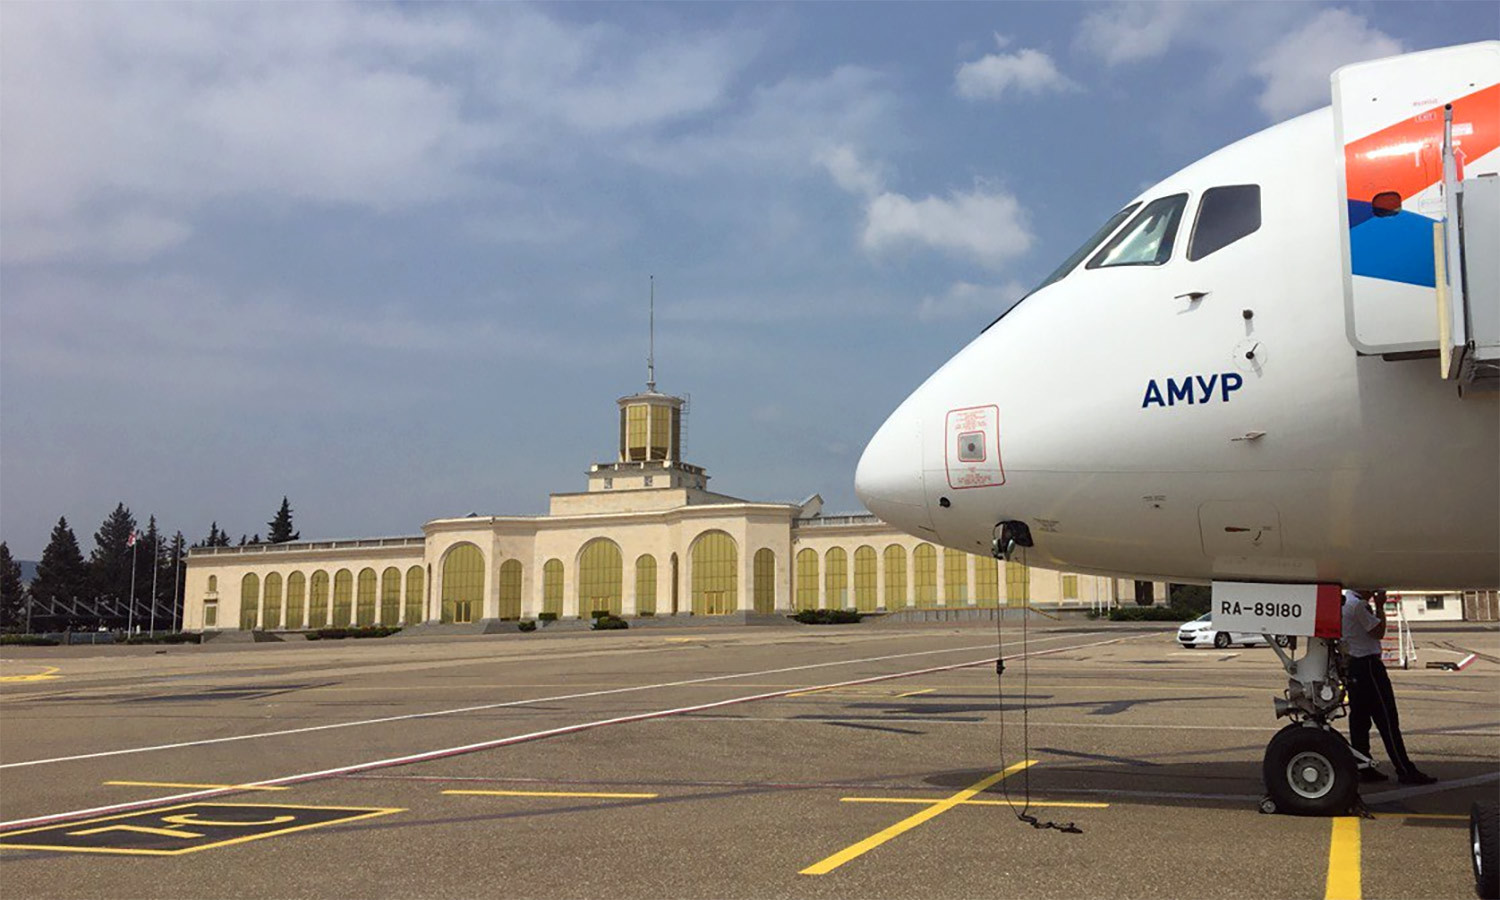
x=365 y=812
x=48 y=675
x=1343 y=860
x=914 y=693
x=1047 y=803
x=935 y=809
x=185 y=784
x=602 y=796
x=857 y=691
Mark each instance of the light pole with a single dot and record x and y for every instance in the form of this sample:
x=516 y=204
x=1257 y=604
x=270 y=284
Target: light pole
x=130 y=615
x=176 y=575
x=155 y=567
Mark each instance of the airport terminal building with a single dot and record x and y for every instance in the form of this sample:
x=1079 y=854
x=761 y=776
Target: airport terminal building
x=646 y=539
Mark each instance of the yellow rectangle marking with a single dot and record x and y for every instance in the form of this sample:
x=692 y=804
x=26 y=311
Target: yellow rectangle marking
x=1343 y=860
x=1047 y=803
x=599 y=795
x=48 y=675
x=853 y=851
x=185 y=784
x=915 y=693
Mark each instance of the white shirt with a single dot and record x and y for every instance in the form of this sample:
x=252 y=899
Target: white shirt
x=1358 y=620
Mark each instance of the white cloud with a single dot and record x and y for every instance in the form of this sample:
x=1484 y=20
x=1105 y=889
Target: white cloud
x=1136 y=31
x=1026 y=71
x=849 y=171
x=966 y=300
x=1296 y=69
x=986 y=225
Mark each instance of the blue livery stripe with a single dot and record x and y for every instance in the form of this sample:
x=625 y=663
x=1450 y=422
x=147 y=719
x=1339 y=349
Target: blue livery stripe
x=1393 y=248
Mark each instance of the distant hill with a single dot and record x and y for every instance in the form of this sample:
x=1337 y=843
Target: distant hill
x=28 y=570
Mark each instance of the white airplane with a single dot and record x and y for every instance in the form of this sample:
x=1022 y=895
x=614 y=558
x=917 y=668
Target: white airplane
x=1273 y=370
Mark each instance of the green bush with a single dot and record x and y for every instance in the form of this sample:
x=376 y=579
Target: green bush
x=608 y=622
x=546 y=617
x=26 y=640
x=827 y=617
x=526 y=625
x=364 y=631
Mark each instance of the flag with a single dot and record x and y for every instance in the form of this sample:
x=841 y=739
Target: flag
x=130 y=542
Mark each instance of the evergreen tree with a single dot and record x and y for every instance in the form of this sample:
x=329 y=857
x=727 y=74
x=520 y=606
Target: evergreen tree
x=149 y=554
x=222 y=540
x=62 y=573
x=216 y=538
x=280 y=528
x=110 y=560
x=12 y=592
x=176 y=575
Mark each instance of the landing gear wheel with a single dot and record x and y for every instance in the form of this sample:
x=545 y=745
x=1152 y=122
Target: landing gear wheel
x=1310 y=772
x=1221 y=640
x=1484 y=839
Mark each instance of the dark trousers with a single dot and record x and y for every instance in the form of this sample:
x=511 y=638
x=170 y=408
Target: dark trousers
x=1372 y=700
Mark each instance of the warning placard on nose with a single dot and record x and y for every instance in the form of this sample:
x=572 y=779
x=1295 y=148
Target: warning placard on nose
x=186 y=828
x=973 y=453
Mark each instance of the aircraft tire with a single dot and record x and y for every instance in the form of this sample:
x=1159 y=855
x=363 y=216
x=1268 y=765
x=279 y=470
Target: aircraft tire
x=1310 y=772
x=1221 y=640
x=1484 y=838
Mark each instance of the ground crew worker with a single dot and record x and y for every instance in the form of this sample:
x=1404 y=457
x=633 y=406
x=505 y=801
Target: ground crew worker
x=1370 y=696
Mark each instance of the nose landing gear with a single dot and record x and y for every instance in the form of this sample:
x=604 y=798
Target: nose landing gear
x=1309 y=769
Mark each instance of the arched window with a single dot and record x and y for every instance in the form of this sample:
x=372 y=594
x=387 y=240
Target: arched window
x=807 y=578
x=552 y=587
x=955 y=577
x=1017 y=584
x=364 y=612
x=296 y=597
x=986 y=581
x=865 y=577
x=895 y=577
x=463 y=584
x=317 y=600
x=249 y=599
x=213 y=584
x=390 y=596
x=270 y=602
x=715 y=574
x=645 y=585
x=601 y=578
x=510 y=589
x=924 y=574
x=416 y=596
x=836 y=578
x=343 y=597
x=765 y=580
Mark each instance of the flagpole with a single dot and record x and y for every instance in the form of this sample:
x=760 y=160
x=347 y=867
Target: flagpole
x=155 y=567
x=130 y=616
x=176 y=575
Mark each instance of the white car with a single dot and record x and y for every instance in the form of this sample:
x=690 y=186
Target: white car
x=1200 y=633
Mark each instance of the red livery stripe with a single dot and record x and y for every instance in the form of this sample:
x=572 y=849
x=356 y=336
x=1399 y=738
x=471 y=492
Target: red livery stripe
x=1330 y=621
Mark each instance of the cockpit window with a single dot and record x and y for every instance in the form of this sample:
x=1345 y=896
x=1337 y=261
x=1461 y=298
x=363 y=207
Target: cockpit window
x=1147 y=240
x=1225 y=215
x=1078 y=255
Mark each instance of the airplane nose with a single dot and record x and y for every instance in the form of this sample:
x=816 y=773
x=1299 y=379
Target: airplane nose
x=888 y=479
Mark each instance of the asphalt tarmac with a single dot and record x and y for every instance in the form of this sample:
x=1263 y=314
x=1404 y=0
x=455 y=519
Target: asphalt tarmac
x=850 y=761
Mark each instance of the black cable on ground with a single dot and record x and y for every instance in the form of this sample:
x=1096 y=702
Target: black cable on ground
x=1024 y=813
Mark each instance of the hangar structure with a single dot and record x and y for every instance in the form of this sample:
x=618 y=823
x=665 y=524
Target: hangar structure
x=646 y=539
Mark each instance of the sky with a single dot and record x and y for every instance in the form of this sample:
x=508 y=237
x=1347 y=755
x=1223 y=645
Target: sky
x=392 y=261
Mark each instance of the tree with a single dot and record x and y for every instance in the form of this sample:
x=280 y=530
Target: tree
x=150 y=560
x=62 y=574
x=12 y=592
x=175 y=576
x=280 y=528
x=216 y=538
x=110 y=560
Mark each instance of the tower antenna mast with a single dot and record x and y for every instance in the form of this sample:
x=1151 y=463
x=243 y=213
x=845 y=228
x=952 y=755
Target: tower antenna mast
x=651 y=346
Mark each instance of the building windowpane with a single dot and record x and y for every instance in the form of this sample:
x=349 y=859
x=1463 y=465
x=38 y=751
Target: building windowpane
x=865 y=577
x=390 y=596
x=249 y=600
x=986 y=581
x=510 y=589
x=210 y=615
x=317 y=601
x=416 y=599
x=1017 y=584
x=955 y=577
x=661 y=431
x=715 y=575
x=270 y=603
x=836 y=578
x=765 y=580
x=807 y=579
x=364 y=610
x=1070 y=587
x=552 y=587
x=635 y=431
x=645 y=585
x=601 y=578
x=895 y=577
x=296 y=595
x=343 y=597
x=213 y=584
x=463 y=584
x=924 y=572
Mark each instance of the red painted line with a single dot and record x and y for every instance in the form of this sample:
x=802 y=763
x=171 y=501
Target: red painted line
x=1467 y=659
x=516 y=739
